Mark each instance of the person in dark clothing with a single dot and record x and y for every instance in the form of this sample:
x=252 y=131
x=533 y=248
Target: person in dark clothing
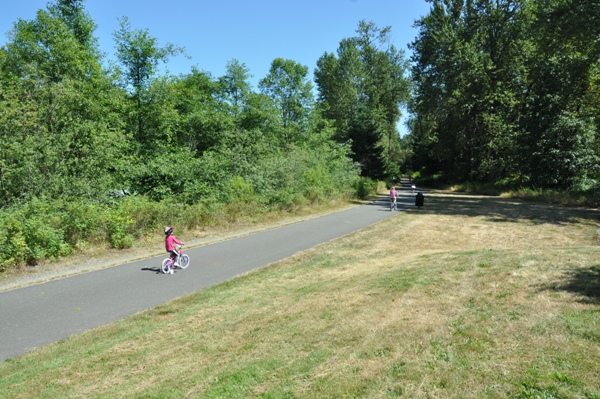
x=419 y=199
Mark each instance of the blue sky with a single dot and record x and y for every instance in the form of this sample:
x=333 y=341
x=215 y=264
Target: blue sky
x=254 y=32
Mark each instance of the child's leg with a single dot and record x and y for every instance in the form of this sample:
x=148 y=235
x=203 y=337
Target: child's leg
x=174 y=256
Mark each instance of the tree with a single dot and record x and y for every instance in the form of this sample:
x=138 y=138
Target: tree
x=204 y=115
x=235 y=85
x=58 y=44
x=74 y=15
x=466 y=58
x=363 y=90
x=139 y=55
x=560 y=115
x=288 y=86
x=57 y=109
x=504 y=90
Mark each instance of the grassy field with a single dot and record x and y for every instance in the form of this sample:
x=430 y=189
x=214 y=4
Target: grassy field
x=469 y=297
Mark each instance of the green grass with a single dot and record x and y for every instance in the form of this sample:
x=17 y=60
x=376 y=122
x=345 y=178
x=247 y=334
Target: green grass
x=453 y=304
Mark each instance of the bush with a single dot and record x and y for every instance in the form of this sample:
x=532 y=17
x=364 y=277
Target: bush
x=80 y=220
x=31 y=232
x=43 y=241
x=117 y=228
x=14 y=248
x=240 y=191
x=364 y=187
x=286 y=200
x=145 y=215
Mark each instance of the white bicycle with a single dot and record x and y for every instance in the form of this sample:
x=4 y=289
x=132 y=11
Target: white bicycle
x=182 y=261
x=393 y=204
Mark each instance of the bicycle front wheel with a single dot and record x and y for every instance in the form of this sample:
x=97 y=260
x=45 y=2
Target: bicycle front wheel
x=165 y=266
x=184 y=261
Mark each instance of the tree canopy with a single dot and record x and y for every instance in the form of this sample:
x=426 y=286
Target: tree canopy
x=363 y=89
x=506 y=89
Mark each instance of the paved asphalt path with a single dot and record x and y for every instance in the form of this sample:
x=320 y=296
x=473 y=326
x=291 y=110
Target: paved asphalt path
x=41 y=314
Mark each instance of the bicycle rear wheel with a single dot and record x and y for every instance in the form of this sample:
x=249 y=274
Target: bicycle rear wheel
x=184 y=261
x=165 y=266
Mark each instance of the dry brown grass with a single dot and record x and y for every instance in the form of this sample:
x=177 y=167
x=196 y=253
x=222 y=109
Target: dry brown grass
x=469 y=297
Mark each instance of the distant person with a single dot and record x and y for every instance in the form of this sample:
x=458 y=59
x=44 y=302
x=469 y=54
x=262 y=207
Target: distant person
x=393 y=195
x=170 y=241
x=419 y=200
x=413 y=188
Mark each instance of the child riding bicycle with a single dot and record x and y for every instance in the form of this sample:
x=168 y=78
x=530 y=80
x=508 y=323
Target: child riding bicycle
x=393 y=195
x=170 y=241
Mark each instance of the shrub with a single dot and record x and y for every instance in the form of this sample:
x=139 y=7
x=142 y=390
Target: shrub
x=80 y=220
x=240 y=191
x=118 y=229
x=42 y=240
x=31 y=232
x=14 y=248
x=364 y=187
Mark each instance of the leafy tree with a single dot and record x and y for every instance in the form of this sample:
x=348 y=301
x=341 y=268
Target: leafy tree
x=466 y=56
x=74 y=15
x=261 y=113
x=362 y=90
x=58 y=108
x=203 y=114
x=559 y=117
x=139 y=55
x=58 y=44
x=291 y=91
x=236 y=86
x=504 y=89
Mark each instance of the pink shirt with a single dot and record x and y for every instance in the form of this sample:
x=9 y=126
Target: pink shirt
x=392 y=193
x=170 y=242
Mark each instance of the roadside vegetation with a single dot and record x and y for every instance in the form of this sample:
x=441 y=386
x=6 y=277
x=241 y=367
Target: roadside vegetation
x=468 y=297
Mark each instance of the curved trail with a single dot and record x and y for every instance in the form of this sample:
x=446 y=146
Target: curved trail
x=41 y=314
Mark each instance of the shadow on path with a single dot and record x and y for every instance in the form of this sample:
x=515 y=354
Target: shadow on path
x=152 y=269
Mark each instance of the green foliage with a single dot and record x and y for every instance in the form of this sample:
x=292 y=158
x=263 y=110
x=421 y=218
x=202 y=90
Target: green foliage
x=30 y=233
x=364 y=187
x=291 y=92
x=506 y=88
x=361 y=90
x=79 y=220
x=139 y=55
x=562 y=155
x=239 y=191
x=14 y=249
x=151 y=103
x=57 y=110
x=118 y=227
x=56 y=45
x=101 y=155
